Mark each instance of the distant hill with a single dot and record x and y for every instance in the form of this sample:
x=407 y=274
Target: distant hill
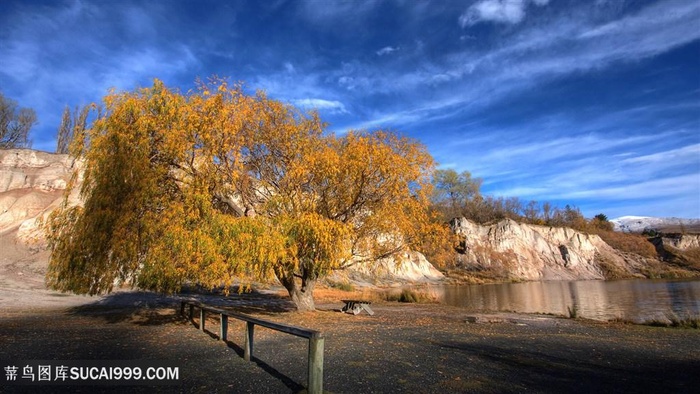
x=637 y=224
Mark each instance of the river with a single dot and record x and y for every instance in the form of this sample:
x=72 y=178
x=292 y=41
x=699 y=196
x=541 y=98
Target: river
x=638 y=300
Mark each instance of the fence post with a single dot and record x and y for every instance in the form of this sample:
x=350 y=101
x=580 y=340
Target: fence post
x=315 y=382
x=182 y=308
x=201 y=318
x=248 y=349
x=191 y=312
x=224 y=327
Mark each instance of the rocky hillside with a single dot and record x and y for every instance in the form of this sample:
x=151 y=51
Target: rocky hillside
x=31 y=185
x=682 y=241
x=509 y=250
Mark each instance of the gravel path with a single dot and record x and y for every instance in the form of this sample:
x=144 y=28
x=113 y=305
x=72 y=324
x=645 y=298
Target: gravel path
x=402 y=348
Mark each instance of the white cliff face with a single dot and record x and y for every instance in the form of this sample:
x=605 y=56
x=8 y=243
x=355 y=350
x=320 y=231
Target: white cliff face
x=530 y=252
x=408 y=266
x=29 y=169
x=31 y=186
x=682 y=241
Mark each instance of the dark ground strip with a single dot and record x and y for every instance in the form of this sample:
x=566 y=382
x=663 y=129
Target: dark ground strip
x=403 y=348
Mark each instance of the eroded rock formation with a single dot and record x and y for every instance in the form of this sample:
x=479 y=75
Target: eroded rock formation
x=31 y=185
x=519 y=251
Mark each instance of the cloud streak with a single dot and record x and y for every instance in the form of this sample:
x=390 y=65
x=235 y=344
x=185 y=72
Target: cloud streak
x=497 y=11
x=331 y=106
x=387 y=50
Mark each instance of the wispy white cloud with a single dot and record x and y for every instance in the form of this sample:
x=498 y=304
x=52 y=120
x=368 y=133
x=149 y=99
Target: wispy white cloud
x=533 y=56
x=500 y=11
x=687 y=155
x=599 y=191
x=289 y=67
x=387 y=50
x=504 y=11
x=291 y=86
x=330 y=106
x=654 y=188
x=46 y=54
x=547 y=149
x=472 y=77
x=449 y=86
x=537 y=161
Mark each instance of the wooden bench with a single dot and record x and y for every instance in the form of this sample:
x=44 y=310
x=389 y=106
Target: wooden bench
x=357 y=306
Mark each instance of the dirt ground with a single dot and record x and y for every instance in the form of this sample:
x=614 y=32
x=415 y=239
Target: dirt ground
x=417 y=348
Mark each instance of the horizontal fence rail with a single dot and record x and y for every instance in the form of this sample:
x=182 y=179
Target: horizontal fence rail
x=316 y=339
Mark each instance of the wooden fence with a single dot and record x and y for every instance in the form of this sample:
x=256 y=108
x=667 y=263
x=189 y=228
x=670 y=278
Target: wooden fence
x=315 y=363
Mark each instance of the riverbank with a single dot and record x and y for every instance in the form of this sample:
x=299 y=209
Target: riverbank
x=422 y=348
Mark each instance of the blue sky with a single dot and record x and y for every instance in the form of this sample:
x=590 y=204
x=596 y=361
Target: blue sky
x=590 y=103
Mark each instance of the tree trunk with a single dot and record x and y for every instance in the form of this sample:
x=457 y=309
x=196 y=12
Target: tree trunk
x=302 y=292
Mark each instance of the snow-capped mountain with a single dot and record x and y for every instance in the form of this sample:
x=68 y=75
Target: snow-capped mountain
x=637 y=224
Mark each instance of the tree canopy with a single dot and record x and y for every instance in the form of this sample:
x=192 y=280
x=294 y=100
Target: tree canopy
x=15 y=123
x=454 y=192
x=459 y=195
x=71 y=126
x=216 y=184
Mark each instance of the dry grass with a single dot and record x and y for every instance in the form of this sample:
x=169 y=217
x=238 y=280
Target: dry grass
x=332 y=295
x=628 y=243
x=328 y=295
x=343 y=286
x=610 y=269
x=662 y=270
x=463 y=276
x=410 y=296
x=489 y=266
x=689 y=258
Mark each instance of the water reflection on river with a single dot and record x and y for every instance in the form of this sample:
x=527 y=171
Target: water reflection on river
x=603 y=300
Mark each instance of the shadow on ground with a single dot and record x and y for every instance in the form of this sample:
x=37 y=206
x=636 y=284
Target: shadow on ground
x=151 y=309
x=257 y=303
x=581 y=368
x=148 y=308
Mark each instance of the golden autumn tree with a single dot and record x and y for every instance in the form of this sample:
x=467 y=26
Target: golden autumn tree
x=207 y=186
x=359 y=196
x=155 y=166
